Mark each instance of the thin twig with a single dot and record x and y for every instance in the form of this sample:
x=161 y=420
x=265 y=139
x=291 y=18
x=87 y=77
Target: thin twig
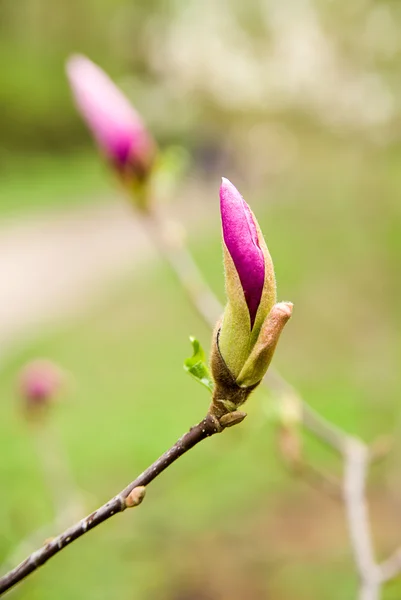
x=57 y=474
x=321 y=480
x=64 y=492
x=168 y=241
x=391 y=568
x=356 y=459
x=317 y=479
x=206 y=428
x=327 y=432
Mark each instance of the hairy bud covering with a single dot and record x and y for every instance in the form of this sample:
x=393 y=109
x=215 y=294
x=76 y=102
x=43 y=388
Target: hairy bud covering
x=246 y=337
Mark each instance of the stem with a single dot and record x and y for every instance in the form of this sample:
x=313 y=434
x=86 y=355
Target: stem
x=57 y=474
x=206 y=428
x=66 y=497
x=172 y=250
x=356 y=458
x=391 y=568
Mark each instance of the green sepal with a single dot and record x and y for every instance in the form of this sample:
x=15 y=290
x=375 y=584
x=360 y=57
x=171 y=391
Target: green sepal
x=235 y=332
x=168 y=172
x=160 y=180
x=196 y=365
x=140 y=193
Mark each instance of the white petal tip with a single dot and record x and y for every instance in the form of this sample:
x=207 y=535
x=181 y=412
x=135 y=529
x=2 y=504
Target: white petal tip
x=285 y=308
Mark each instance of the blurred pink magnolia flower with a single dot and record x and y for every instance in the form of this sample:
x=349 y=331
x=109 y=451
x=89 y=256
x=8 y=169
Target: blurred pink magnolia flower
x=116 y=126
x=39 y=383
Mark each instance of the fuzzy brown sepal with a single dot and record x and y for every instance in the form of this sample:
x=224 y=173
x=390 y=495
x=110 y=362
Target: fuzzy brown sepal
x=227 y=394
x=260 y=358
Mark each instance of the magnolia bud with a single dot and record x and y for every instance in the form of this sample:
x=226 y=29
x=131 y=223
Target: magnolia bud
x=117 y=128
x=250 y=280
x=247 y=335
x=40 y=382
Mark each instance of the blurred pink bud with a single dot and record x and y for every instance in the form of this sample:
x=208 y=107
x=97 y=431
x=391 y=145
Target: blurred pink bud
x=116 y=126
x=40 y=382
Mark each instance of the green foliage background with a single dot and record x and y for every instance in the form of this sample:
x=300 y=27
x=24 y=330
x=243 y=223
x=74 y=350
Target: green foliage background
x=228 y=521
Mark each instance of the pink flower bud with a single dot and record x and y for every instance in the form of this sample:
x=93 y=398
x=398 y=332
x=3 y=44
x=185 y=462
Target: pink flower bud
x=40 y=381
x=116 y=126
x=241 y=239
x=246 y=336
x=250 y=281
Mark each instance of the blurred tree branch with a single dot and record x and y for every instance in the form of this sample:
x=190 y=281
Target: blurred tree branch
x=65 y=495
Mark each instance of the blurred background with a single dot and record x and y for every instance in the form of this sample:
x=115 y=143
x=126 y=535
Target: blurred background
x=298 y=103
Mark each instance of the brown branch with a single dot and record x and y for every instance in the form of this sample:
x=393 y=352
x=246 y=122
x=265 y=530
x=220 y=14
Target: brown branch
x=206 y=428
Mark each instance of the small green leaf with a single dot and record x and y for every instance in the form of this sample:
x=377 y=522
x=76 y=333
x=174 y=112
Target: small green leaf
x=196 y=365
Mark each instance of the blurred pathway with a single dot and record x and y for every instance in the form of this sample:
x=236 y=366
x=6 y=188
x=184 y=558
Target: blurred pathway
x=51 y=265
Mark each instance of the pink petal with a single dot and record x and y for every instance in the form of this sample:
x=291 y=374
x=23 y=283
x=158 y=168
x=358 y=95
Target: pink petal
x=116 y=126
x=241 y=239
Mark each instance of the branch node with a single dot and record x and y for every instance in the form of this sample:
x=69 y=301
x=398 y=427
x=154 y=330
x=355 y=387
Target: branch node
x=391 y=568
x=381 y=448
x=135 y=497
x=213 y=424
x=232 y=418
